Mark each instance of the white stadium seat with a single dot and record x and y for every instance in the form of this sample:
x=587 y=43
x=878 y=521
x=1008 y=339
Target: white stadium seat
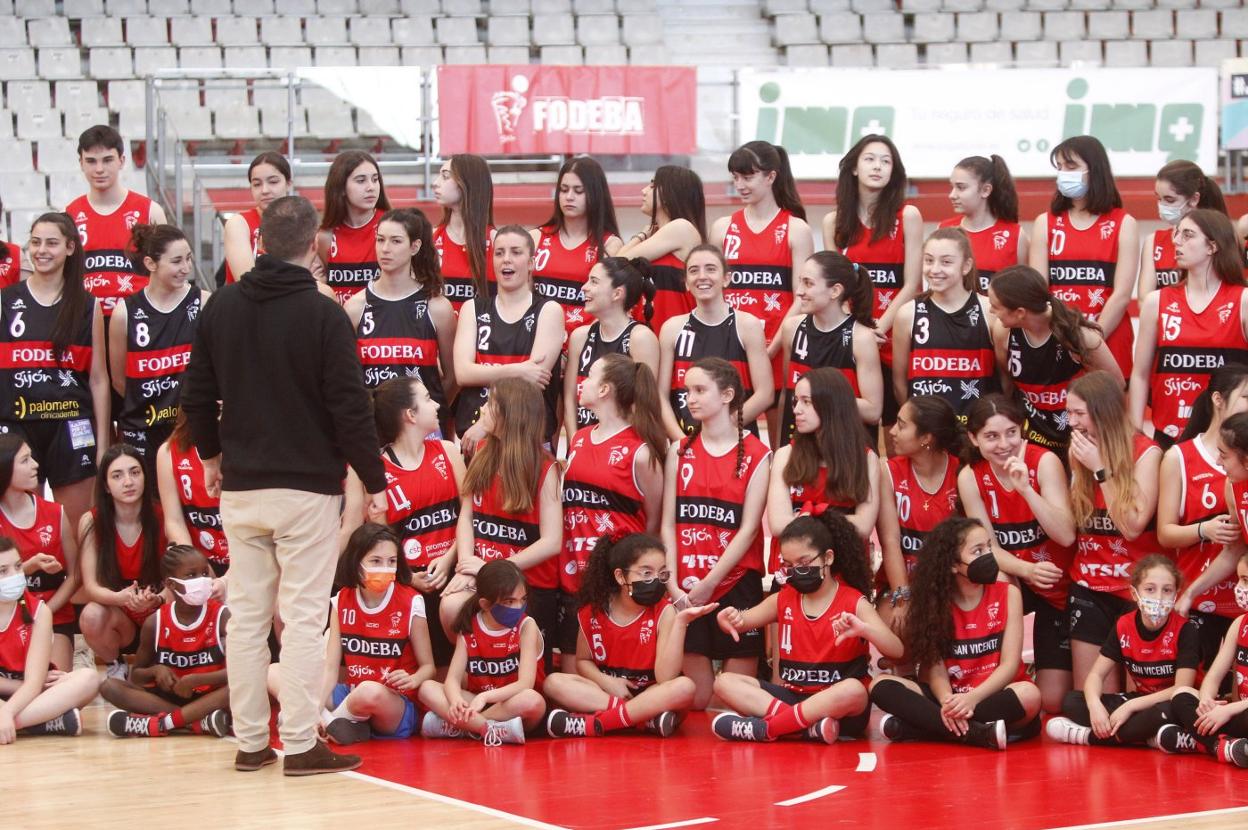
x=334 y=56
x=148 y=60
x=456 y=31
x=191 y=31
x=50 y=31
x=554 y=29
x=326 y=31
x=507 y=31
x=80 y=119
x=237 y=31
x=853 y=55
x=281 y=31
x=840 y=27
x=596 y=29
x=103 y=31
x=1110 y=25
x=1170 y=53
x=569 y=55
x=933 y=27
x=1080 y=51
x=884 y=27
x=17 y=63
x=1126 y=53
x=24 y=188
x=465 y=54
x=793 y=28
x=412 y=31
x=1154 y=24
x=60 y=62
x=1064 y=26
x=370 y=31
x=28 y=95
x=147 y=31
x=897 y=55
x=943 y=53
x=379 y=56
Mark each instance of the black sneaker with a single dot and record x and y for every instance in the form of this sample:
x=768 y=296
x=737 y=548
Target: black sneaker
x=1233 y=751
x=563 y=724
x=893 y=728
x=217 y=723
x=1173 y=739
x=729 y=726
x=68 y=725
x=986 y=735
x=344 y=731
x=122 y=724
x=663 y=724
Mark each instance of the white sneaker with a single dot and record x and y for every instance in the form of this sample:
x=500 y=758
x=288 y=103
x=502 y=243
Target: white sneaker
x=117 y=670
x=432 y=726
x=1067 y=731
x=499 y=732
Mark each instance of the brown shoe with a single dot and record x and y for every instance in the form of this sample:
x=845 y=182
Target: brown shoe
x=317 y=760
x=252 y=761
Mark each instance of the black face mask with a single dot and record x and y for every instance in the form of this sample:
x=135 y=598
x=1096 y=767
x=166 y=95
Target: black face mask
x=806 y=580
x=647 y=593
x=984 y=570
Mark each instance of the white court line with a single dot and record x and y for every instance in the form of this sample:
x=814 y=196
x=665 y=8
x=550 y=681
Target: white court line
x=802 y=799
x=686 y=823
x=455 y=802
x=1152 y=819
x=866 y=762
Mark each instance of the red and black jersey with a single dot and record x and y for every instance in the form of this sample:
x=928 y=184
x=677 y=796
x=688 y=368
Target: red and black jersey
x=108 y=272
x=456 y=273
x=978 y=639
x=194 y=648
x=1164 y=266
x=760 y=265
x=1203 y=486
x=1190 y=346
x=422 y=505
x=1105 y=556
x=201 y=511
x=559 y=273
x=918 y=511
x=35 y=383
x=597 y=346
x=810 y=659
x=697 y=340
x=1081 y=272
x=710 y=494
x=885 y=261
x=498 y=534
x=671 y=296
x=814 y=348
x=500 y=342
x=628 y=651
x=252 y=217
x=1016 y=527
x=600 y=497
x=1042 y=374
x=398 y=338
x=1241 y=658
x=15 y=640
x=1152 y=658
x=377 y=641
x=42 y=536
x=494 y=656
x=995 y=247
x=10 y=264
x=130 y=557
x=352 y=260
x=158 y=350
x=951 y=354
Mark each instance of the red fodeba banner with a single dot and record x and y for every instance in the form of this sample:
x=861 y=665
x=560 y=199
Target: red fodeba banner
x=609 y=110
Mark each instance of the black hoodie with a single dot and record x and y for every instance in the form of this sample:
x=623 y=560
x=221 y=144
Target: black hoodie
x=282 y=360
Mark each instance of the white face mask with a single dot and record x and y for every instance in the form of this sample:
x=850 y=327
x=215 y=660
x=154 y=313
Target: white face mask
x=195 y=591
x=1171 y=214
x=12 y=587
x=1072 y=183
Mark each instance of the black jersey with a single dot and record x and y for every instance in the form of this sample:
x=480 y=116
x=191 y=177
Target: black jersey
x=1041 y=375
x=951 y=354
x=397 y=338
x=158 y=349
x=697 y=340
x=597 y=346
x=500 y=342
x=814 y=348
x=39 y=385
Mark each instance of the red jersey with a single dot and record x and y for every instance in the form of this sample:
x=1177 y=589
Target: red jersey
x=600 y=496
x=15 y=640
x=951 y=353
x=1164 y=265
x=805 y=497
x=918 y=511
x=377 y=641
x=1105 y=557
x=559 y=273
x=1190 y=346
x=456 y=272
x=1152 y=658
x=498 y=534
x=1081 y=272
x=252 y=217
x=352 y=260
x=194 y=648
x=1016 y=527
x=10 y=264
x=810 y=659
x=201 y=511
x=710 y=492
x=422 y=504
x=995 y=247
x=885 y=261
x=628 y=651
x=671 y=297
x=1204 y=483
x=1241 y=658
x=494 y=656
x=978 y=639
x=760 y=265
x=108 y=272
x=43 y=535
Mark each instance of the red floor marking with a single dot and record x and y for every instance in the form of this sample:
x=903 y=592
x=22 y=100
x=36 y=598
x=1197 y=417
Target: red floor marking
x=640 y=781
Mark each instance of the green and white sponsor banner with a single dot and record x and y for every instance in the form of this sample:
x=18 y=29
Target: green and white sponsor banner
x=1145 y=117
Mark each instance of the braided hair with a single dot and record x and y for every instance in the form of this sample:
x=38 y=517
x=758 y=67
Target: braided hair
x=725 y=376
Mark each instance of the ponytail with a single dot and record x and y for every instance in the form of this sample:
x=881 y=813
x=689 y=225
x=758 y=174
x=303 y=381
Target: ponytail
x=1224 y=381
x=859 y=296
x=1188 y=179
x=1003 y=198
x=755 y=156
x=637 y=399
x=933 y=415
x=634 y=276
x=1021 y=286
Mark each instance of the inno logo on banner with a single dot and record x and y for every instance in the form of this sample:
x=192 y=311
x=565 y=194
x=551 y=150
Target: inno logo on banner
x=608 y=115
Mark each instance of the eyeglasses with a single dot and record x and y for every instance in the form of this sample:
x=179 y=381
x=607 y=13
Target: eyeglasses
x=648 y=575
x=799 y=568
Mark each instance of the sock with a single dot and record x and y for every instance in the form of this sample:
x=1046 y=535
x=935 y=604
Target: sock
x=613 y=718
x=1183 y=708
x=913 y=709
x=772 y=708
x=174 y=720
x=344 y=712
x=786 y=719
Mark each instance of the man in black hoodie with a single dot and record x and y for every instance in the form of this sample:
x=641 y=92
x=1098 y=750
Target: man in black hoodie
x=276 y=403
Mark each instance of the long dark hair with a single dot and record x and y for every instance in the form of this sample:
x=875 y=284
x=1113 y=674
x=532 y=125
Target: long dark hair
x=1228 y=261
x=725 y=376
x=635 y=276
x=104 y=526
x=679 y=191
x=10 y=445
x=496 y=580
x=832 y=531
x=275 y=160
x=471 y=175
x=754 y=156
x=837 y=444
x=982 y=411
x=892 y=197
x=362 y=540
x=1103 y=195
x=336 y=208
x=76 y=305
x=426 y=269
x=929 y=624
x=1021 y=286
x=599 y=209
x=390 y=400
x=933 y=415
x=1003 y=198
x=598 y=583
x=836 y=269
x=1224 y=380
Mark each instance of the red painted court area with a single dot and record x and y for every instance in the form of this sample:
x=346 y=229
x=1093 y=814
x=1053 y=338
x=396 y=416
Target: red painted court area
x=635 y=781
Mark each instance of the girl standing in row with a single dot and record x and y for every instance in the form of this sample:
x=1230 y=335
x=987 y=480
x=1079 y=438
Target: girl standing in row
x=464 y=238
x=982 y=192
x=355 y=199
x=269 y=177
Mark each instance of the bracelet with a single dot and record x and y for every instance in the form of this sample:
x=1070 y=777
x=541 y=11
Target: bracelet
x=901 y=594
x=1200 y=534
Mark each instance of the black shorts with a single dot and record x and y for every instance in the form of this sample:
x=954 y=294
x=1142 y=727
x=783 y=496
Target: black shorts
x=64 y=450
x=854 y=726
x=704 y=636
x=1212 y=628
x=568 y=627
x=544 y=609
x=147 y=442
x=68 y=629
x=1093 y=614
x=443 y=648
x=1050 y=632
